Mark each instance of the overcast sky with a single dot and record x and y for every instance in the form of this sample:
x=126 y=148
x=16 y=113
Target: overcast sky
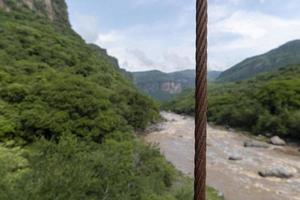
x=160 y=34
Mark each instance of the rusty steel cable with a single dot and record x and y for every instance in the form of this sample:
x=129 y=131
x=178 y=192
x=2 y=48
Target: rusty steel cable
x=201 y=100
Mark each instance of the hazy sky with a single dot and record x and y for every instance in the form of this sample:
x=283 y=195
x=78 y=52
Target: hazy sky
x=160 y=34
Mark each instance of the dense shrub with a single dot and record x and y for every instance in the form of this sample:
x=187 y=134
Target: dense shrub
x=120 y=168
x=182 y=104
x=77 y=169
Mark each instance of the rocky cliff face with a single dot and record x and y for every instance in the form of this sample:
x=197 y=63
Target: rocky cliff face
x=54 y=10
x=171 y=87
x=164 y=86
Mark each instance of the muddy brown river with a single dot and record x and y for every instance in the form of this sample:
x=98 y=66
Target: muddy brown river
x=237 y=180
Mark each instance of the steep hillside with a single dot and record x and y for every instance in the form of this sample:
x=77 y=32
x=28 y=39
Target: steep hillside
x=285 y=55
x=269 y=103
x=49 y=75
x=112 y=60
x=164 y=86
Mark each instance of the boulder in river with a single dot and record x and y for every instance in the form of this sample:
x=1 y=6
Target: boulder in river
x=279 y=172
x=277 y=141
x=235 y=158
x=221 y=195
x=255 y=144
x=154 y=128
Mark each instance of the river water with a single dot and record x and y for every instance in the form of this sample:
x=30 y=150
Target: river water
x=237 y=180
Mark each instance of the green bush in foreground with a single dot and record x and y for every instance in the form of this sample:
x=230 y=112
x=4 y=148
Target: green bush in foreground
x=76 y=169
x=120 y=168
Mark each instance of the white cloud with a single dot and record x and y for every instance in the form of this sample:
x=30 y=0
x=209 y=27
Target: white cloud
x=252 y=33
x=241 y=23
x=107 y=38
x=163 y=45
x=137 y=3
x=87 y=26
x=235 y=32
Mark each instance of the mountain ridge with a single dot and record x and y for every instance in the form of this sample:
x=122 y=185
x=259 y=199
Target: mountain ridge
x=282 y=56
x=163 y=86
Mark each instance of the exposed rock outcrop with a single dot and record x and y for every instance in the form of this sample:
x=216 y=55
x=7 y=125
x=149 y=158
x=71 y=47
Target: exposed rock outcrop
x=29 y=3
x=49 y=9
x=279 y=172
x=171 y=87
x=277 y=141
x=235 y=158
x=54 y=10
x=164 y=86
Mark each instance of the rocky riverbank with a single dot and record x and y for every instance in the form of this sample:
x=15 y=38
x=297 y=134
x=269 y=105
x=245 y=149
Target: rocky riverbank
x=241 y=173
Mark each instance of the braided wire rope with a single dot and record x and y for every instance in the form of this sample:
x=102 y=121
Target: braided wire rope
x=201 y=100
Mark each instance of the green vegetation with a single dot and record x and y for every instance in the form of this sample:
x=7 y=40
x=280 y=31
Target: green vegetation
x=212 y=194
x=182 y=104
x=284 y=56
x=67 y=117
x=53 y=83
x=120 y=168
x=269 y=103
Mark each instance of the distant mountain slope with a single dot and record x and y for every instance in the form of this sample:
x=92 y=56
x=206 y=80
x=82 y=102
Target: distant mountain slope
x=163 y=86
x=285 y=55
x=213 y=75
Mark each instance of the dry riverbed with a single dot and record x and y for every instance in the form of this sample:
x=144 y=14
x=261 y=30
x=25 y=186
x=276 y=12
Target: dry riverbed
x=238 y=180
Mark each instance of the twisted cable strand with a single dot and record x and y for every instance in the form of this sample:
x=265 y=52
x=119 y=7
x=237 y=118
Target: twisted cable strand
x=201 y=100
